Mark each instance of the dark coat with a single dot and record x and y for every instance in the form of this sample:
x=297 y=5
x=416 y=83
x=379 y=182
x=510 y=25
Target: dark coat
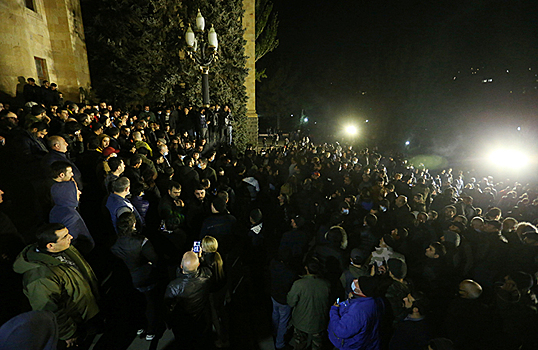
x=64 y=196
x=221 y=227
x=138 y=254
x=188 y=295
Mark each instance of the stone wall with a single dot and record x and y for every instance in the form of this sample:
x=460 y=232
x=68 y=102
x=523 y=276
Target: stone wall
x=249 y=23
x=54 y=33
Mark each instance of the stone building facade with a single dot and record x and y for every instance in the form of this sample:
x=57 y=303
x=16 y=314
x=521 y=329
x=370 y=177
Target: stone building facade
x=42 y=39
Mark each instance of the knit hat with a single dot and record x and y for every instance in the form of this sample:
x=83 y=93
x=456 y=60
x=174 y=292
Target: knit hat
x=452 y=237
x=459 y=225
x=37 y=110
x=256 y=215
x=496 y=223
x=219 y=204
x=389 y=241
x=358 y=256
x=523 y=280
x=368 y=285
x=442 y=344
x=397 y=267
x=299 y=221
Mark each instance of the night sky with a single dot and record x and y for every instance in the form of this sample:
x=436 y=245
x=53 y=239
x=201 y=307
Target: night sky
x=435 y=72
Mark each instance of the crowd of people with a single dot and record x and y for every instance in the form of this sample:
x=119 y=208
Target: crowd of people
x=124 y=223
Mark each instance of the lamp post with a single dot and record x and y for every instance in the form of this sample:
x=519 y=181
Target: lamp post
x=202 y=52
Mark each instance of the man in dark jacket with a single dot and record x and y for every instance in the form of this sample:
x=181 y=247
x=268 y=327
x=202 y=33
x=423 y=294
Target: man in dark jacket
x=185 y=174
x=413 y=333
x=220 y=225
x=31 y=144
x=282 y=278
x=65 y=195
x=172 y=208
x=188 y=299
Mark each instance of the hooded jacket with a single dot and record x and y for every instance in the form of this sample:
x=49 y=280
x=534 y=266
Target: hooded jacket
x=64 y=196
x=355 y=324
x=52 y=285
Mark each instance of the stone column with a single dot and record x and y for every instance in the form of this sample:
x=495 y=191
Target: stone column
x=249 y=23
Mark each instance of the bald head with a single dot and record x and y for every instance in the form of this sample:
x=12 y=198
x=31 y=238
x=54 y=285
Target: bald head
x=190 y=262
x=469 y=289
x=58 y=143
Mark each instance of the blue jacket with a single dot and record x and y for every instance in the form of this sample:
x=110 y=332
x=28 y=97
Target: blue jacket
x=64 y=195
x=115 y=202
x=355 y=325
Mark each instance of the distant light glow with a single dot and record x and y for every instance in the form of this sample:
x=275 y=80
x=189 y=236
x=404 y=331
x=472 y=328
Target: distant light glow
x=509 y=158
x=407 y=143
x=367 y=120
x=306 y=119
x=519 y=128
x=351 y=130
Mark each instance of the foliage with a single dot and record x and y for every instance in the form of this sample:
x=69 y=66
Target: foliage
x=136 y=51
x=266 y=31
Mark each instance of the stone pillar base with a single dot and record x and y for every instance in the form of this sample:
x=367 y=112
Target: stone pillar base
x=252 y=129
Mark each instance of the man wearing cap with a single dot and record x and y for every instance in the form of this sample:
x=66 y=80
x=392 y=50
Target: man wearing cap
x=37 y=114
x=356 y=269
x=30 y=143
x=398 y=289
x=356 y=322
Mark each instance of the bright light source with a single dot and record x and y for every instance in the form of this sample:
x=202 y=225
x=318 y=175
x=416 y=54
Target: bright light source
x=519 y=128
x=407 y=143
x=509 y=158
x=306 y=119
x=351 y=130
x=367 y=120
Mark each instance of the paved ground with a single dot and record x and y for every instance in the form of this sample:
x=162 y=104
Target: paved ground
x=249 y=313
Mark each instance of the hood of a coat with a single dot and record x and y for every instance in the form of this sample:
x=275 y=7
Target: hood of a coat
x=30 y=259
x=64 y=194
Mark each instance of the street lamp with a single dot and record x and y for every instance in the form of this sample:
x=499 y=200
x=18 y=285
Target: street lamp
x=202 y=52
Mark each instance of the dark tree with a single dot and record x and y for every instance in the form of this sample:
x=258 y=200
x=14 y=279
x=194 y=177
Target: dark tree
x=266 y=31
x=136 y=51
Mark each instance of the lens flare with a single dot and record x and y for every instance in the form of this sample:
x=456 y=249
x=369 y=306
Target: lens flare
x=509 y=158
x=351 y=130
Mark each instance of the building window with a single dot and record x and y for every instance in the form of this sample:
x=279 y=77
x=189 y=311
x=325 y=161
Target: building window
x=30 y=4
x=41 y=67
